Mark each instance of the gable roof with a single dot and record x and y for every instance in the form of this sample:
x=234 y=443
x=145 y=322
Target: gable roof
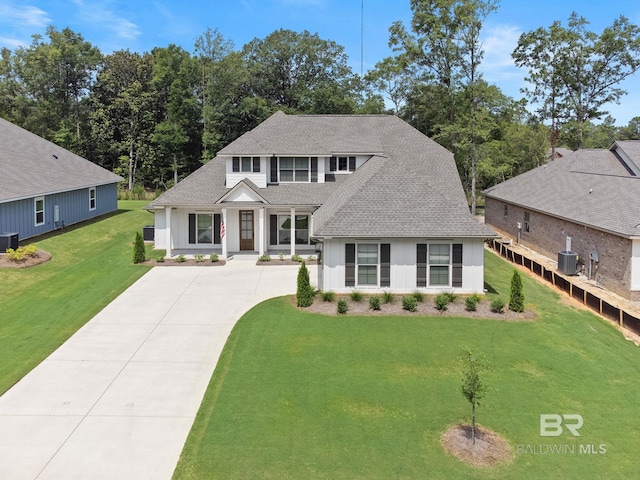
x=31 y=166
x=589 y=187
x=409 y=187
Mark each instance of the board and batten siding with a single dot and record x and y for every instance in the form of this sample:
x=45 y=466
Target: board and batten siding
x=403 y=269
x=73 y=207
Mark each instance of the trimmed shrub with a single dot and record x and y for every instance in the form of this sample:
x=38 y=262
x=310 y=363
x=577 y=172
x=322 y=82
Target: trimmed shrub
x=388 y=297
x=497 y=305
x=442 y=301
x=281 y=256
x=516 y=300
x=374 y=302
x=419 y=296
x=451 y=296
x=328 y=296
x=180 y=259
x=471 y=303
x=264 y=258
x=297 y=258
x=139 y=254
x=214 y=257
x=160 y=259
x=343 y=307
x=199 y=257
x=304 y=294
x=409 y=303
x=356 y=296
x=30 y=250
x=16 y=255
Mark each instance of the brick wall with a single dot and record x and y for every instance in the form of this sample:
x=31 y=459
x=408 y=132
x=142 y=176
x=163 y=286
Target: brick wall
x=547 y=235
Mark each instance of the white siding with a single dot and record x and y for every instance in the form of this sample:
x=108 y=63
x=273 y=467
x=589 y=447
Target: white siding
x=159 y=222
x=260 y=178
x=635 y=265
x=403 y=266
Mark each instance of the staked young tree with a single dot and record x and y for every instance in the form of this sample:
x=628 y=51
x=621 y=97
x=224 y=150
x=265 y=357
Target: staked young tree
x=473 y=387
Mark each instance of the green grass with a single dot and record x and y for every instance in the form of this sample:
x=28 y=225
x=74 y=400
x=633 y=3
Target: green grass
x=299 y=395
x=44 y=305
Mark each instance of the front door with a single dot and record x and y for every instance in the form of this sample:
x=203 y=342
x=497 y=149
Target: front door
x=246 y=230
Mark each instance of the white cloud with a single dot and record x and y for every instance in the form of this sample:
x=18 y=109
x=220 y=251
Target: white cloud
x=498 y=42
x=23 y=16
x=11 y=43
x=109 y=20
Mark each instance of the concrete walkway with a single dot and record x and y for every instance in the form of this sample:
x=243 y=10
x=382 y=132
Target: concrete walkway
x=118 y=399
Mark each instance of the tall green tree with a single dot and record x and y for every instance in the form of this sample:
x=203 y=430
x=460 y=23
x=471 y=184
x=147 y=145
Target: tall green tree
x=122 y=117
x=56 y=74
x=575 y=72
x=444 y=47
x=177 y=135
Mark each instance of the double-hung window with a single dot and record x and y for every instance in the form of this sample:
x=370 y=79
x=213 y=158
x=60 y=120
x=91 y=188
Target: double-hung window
x=439 y=260
x=294 y=169
x=39 y=211
x=527 y=219
x=204 y=228
x=367 y=264
x=92 y=198
x=342 y=164
x=245 y=164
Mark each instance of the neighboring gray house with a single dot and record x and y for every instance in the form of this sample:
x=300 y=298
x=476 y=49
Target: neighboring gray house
x=44 y=187
x=382 y=202
x=590 y=196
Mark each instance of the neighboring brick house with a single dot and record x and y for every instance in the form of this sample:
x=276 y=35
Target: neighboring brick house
x=591 y=196
x=383 y=203
x=44 y=187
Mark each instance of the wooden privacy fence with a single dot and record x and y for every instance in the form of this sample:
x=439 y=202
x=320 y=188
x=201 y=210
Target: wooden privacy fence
x=590 y=297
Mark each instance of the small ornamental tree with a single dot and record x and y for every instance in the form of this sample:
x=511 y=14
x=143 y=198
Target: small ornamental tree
x=473 y=387
x=304 y=294
x=139 y=254
x=516 y=301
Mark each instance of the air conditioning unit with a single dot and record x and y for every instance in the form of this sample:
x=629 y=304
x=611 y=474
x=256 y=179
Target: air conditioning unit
x=8 y=240
x=568 y=262
x=148 y=233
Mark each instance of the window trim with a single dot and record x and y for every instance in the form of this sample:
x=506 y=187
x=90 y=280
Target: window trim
x=93 y=201
x=278 y=216
x=293 y=170
x=527 y=222
x=448 y=265
x=349 y=164
x=36 y=211
x=358 y=265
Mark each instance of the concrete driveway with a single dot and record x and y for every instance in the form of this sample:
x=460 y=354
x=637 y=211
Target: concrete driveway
x=118 y=399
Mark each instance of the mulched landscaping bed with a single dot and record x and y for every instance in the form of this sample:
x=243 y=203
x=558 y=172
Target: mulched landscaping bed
x=286 y=261
x=189 y=262
x=455 y=309
x=40 y=257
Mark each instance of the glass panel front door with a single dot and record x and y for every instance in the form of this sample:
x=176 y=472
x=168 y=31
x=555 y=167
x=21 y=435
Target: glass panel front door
x=246 y=230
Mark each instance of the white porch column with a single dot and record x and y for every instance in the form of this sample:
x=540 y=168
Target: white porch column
x=224 y=238
x=293 y=231
x=167 y=231
x=261 y=235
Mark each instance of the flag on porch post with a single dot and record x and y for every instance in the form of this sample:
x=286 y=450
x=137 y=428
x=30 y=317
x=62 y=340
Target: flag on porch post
x=221 y=228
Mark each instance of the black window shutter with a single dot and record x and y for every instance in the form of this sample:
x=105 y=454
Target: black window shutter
x=350 y=265
x=352 y=164
x=192 y=228
x=314 y=169
x=385 y=264
x=273 y=230
x=256 y=164
x=216 y=228
x=333 y=166
x=457 y=265
x=236 y=164
x=421 y=262
x=274 y=170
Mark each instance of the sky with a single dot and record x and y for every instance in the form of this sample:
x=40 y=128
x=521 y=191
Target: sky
x=360 y=26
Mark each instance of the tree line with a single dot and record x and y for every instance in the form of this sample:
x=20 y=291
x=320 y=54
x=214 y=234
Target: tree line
x=155 y=117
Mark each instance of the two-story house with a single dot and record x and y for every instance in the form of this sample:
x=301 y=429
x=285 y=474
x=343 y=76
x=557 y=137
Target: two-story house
x=379 y=202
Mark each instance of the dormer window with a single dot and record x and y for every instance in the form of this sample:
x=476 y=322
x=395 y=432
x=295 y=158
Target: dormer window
x=342 y=164
x=246 y=164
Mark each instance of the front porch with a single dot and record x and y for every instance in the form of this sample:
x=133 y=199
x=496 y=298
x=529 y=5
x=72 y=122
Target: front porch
x=228 y=231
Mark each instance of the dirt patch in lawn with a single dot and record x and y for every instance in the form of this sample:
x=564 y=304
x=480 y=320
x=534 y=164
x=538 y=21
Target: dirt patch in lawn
x=41 y=256
x=454 y=309
x=489 y=448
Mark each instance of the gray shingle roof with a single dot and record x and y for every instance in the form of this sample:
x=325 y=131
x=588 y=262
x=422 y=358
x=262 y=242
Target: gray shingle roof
x=589 y=187
x=409 y=187
x=32 y=166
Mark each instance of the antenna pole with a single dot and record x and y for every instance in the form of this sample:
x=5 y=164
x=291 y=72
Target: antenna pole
x=362 y=38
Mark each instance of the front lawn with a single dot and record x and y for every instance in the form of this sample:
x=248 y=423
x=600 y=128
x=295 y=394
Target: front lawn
x=42 y=306
x=300 y=395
